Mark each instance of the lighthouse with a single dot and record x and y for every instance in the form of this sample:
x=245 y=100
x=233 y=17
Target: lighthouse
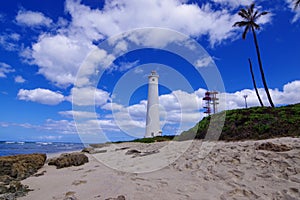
x=152 y=118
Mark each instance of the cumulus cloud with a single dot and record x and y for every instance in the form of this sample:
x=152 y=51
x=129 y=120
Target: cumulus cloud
x=87 y=96
x=19 y=79
x=60 y=54
x=288 y=95
x=39 y=95
x=59 y=57
x=30 y=18
x=117 y=16
x=5 y=69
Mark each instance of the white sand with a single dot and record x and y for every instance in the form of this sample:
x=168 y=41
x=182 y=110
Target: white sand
x=234 y=170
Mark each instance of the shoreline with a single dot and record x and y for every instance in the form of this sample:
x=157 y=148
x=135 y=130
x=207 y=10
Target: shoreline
x=230 y=170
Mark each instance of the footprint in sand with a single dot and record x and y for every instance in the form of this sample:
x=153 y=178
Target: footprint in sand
x=78 y=182
x=70 y=196
x=187 y=188
x=240 y=193
x=74 y=170
x=90 y=170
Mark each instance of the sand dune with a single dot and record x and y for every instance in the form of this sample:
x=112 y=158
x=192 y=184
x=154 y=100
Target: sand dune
x=177 y=170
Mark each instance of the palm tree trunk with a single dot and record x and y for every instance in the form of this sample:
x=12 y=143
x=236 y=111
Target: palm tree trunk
x=254 y=83
x=261 y=68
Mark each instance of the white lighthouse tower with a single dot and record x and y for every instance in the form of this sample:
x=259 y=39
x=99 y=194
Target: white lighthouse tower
x=152 y=119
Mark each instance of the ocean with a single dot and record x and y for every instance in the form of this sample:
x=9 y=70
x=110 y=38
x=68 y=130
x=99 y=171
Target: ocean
x=14 y=148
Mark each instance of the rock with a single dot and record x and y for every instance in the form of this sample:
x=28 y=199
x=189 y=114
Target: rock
x=120 y=197
x=269 y=146
x=93 y=150
x=69 y=159
x=16 y=168
x=20 y=167
x=132 y=151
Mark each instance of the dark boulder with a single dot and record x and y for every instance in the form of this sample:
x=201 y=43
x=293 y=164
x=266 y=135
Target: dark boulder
x=69 y=159
x=13 y=169
x=20 y=167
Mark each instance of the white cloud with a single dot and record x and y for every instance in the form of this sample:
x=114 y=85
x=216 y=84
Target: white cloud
x=59 y=57
x=112 y=106
x=19 y=79
x=30 y=18
x=43 y=96
x=60 y=54
x=9 y=41
x=203 y=62
x=5 y=69
x=59 y=126
x=78 y=114
x=87 y=96
x=289 y=95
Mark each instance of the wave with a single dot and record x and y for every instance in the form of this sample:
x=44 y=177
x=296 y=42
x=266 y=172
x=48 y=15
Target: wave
x=44 y=143
x=8 y=142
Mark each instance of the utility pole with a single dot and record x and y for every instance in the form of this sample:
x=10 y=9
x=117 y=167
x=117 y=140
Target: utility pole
x=245 y=96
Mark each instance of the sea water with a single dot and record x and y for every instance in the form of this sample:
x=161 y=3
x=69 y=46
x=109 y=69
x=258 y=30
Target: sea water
x=14 y=148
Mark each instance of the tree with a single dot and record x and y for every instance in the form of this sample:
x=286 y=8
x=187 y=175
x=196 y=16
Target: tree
x=297 y=4
x=254 y=83
x=250 y=16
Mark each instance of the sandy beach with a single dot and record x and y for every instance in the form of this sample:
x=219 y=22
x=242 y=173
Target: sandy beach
x=177 y=170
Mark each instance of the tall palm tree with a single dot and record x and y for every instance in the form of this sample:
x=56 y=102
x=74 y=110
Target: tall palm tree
x=250 y=16
x=297 y=4
x=254 y=83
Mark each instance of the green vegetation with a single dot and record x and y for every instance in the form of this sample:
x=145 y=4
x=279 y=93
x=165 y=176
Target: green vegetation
x=154 y=139
x=251 y=123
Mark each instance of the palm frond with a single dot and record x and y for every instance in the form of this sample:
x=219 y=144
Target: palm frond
x=241 y=23
x=297 y=4
x=243 y=13
x=250 y=16
x=255 y=26
x=251 y=8
x=255 y=14
x=245 y=32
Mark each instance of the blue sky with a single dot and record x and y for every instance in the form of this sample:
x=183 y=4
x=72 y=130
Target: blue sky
x=77 y=70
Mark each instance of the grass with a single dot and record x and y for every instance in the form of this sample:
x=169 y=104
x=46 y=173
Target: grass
x=251 y=123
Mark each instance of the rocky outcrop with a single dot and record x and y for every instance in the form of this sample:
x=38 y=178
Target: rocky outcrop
x=69 y=159
x=269 y=146
x=120 y=197
x=13 y=169
x=20 y=167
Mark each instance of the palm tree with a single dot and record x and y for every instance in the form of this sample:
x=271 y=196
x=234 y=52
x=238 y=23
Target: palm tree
x=254 y=83
x=249 y=23
x=297 y=4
